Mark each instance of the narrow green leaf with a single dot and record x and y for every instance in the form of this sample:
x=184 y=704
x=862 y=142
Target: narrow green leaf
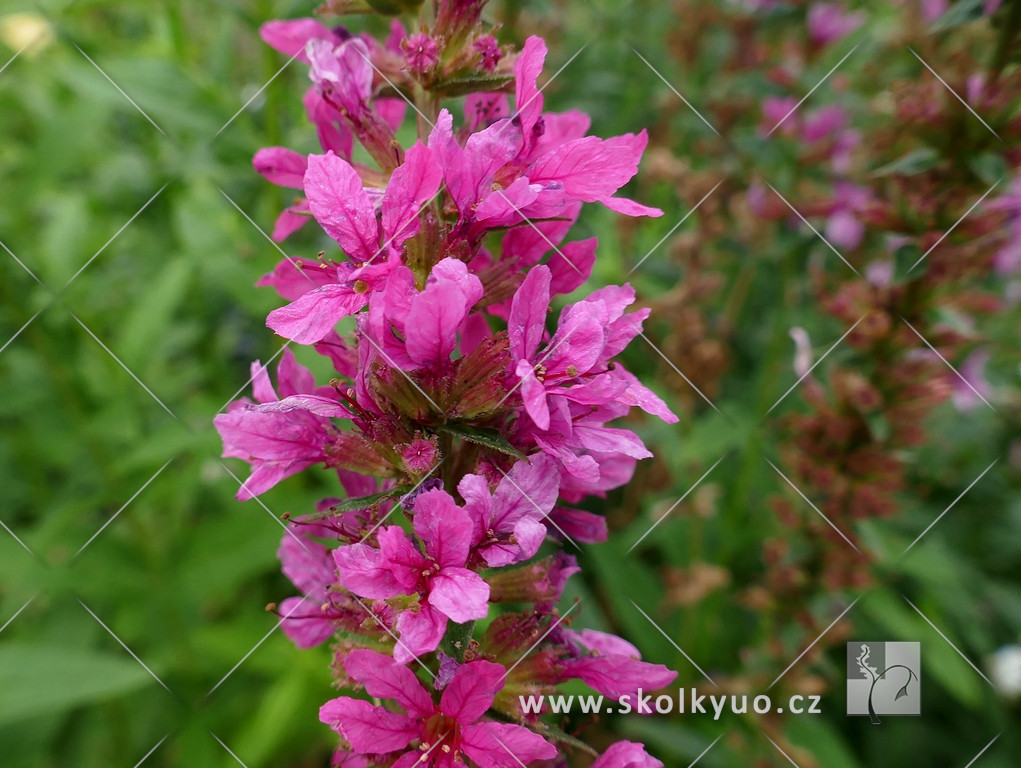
x=490 y=438
x=910 y=164
x=460 y=86
x=565 y=738
x=361 y=502
x=39 y=680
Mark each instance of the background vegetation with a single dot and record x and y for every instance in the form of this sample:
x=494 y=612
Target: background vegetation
x=131 y=220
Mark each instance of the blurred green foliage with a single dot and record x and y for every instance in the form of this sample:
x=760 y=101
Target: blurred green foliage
x=127 y=295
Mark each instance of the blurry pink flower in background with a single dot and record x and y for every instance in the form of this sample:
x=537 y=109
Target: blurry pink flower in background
x=829 y=22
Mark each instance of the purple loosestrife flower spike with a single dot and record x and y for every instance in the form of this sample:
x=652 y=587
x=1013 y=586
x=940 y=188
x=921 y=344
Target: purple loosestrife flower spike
x=461 y=428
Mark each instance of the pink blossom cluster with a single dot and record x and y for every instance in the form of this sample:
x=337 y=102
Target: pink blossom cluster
x=464 y=432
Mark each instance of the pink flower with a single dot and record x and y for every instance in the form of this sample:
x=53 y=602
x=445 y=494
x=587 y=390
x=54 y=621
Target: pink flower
x=343 y=79
x=975 y=386
x=582 y=526
x=489 y=50
x=626 y=754
x=593 y=458
x=613 y=666
x=416 y=329
x=307 y=620
x=1007 y=260
x=444 y=587
x=511 y=171
x=844 y=227
x=285 y=168
x=420 y=52
x=933 y=9
x=590 y=332
x=823 y=122
x=343 y=207
x=342 y=72
x=280 y=437
x=419 y=456
x=776 y=109
x=448 y=732
x=290 y=37
x=507 y=524
x=829 y=22
x=344 y=759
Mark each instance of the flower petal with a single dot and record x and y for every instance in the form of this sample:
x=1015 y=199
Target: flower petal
x=445 y=528
x=412 y=184
x=526 y=324
x=504 y=745
x=460 y=594
x=290 y=36
x=281 y=166
x=340 y=204
x=472 y=691
x=626 y=754
x=421 y=632
x=363 y=571
x=533 y=394
x=438 y=311
x=572 y=264
x=367 y=728
x=527 y=97
x=313 y=315
x=591 y=169
x=301 y=623
x=384 y=678
x=617 y=676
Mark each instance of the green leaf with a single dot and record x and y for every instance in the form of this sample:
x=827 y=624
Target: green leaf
x=910 y=164
x=361 y=502
x=960 y=13
x=490 y=438
x=565 y=738
x=40 y=680
x=989 y=167
x=460 y=86
x=820 y=737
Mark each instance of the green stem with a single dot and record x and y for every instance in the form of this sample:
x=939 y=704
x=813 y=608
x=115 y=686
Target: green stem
x=1005 y=44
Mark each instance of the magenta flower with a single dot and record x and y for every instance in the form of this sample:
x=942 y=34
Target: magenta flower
x=590 y=332
x=1007 y=260
x=508 y=524
x=829 y=22
x=308 y=620
x=344 y=208
x=489 y=50
x=285 y=168
x=626 y=754
x=519 y=168
x=446 y=733
x=416 y=329
x=343 y=78
x=972 y=386
x=291 y=37
x=445 y=589
x=844 y=227
x=420 y=52
x=612 y=666
x=280 y=437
